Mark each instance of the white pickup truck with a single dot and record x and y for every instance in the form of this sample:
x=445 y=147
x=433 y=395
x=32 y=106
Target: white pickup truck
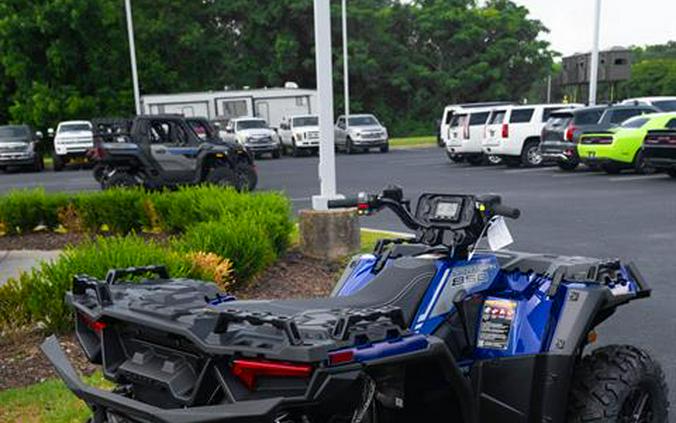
x=513 y=132
x=71 y=142
x=299 y=133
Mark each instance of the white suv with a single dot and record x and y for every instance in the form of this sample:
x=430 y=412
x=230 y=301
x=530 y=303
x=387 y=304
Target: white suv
x=513 y=132
x=72 y=141
x=665 y=104
x=299 y=133
x=465 y=135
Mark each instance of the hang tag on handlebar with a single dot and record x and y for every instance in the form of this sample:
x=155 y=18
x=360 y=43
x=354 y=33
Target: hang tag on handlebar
x=498 y=234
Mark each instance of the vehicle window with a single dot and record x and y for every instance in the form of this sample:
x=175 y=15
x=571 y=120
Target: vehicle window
x=478 y=118
x=159 y=133
x=456 y=120
x=363 y=121
x=200 y=129
x=547 y=112
x=671 y=124
x=74 y=127
x=251 y=124
x=588 y=117
x=13 y=131
x=341 y=123
x=620 y=116
x=558 y=120
x=497 y=116
x=449 y=116
x=635 y=122
x=305 y=121
x=521 y=115
x=666 y=105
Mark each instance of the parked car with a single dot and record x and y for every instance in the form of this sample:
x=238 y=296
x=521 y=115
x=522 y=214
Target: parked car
x=72 y=141
x=564 y=128
x=513 y=132
x=449 y=112
x=165 y=151
x=659 y=148
x=663 y=104
x=620 y=148
x=255 y=135
x=466 y=133
x=362 y=132
x=19 y=148
x=299 y=134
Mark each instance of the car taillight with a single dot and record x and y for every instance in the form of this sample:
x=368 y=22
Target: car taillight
x=249 y=370
x=668 y=139
x=570 y=133
x=505 y=130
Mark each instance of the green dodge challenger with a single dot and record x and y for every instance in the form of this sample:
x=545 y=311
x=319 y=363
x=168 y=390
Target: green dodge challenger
x=620 y=148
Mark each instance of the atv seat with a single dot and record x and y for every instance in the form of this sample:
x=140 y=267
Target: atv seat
x=401 y=284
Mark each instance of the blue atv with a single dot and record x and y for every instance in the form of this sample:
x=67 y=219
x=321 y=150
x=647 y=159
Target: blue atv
x=422 y=330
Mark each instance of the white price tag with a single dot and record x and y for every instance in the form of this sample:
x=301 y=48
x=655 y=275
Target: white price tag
x=498 y=234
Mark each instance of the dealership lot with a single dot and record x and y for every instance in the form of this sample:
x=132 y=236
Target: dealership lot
x=581 y=213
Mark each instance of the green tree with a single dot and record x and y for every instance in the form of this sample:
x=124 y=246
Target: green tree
x=652 y=77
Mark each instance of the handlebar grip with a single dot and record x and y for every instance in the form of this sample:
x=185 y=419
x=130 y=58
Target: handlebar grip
x=511 y=212
x=343 y=203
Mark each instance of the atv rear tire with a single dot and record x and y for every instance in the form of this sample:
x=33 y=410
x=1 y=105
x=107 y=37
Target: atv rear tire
x=618 y=383
x=120 y=179
x=247 y=178
x=223 y=176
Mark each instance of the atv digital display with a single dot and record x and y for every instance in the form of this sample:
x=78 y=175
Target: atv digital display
x=447 y=211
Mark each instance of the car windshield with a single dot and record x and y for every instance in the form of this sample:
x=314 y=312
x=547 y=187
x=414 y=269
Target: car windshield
x=74 y=127
x=666 y=105
x=558 y=120
x=363 y=121
x=12 y=132
x=251 y=124
x=305 y=121
x=635 y=122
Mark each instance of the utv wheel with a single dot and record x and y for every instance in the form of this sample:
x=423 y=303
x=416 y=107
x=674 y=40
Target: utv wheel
x=223 y=176
x=640 y=166
x=120 y=180
x=58 y=163
x=246 y=176
x=611 y=168
x=530 y=156
x=385 y=148
x=99 y=172
x=617 y=384
x=568 y=165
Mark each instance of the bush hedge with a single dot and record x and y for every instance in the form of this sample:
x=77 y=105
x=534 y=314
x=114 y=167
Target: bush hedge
x=215 y=234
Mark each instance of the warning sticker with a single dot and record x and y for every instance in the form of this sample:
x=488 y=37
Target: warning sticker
x=496 y=324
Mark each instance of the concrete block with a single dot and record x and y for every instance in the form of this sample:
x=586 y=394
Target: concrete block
x=329 y=234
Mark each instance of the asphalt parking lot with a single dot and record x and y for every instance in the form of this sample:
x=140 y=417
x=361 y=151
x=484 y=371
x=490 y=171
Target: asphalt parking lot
x=581 y=213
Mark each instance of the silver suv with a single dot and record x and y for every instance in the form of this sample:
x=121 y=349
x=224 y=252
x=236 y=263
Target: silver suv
x=361 y=132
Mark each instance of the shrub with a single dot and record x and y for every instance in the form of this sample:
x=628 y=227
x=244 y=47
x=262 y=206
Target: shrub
x=22 y=211
x=121 y=210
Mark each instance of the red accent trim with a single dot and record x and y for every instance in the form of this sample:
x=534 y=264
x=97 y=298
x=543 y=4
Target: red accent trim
x=94 y=325
x=363 y=206
x=248 y=370
x=340 y=357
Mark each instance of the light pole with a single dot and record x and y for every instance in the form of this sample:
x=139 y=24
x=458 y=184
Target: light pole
x=327 y=160
x=132 y=54
x=594 y=68
x=346 y=74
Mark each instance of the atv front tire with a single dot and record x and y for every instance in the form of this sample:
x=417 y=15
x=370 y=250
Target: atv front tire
x=618 y=383
x=119 y=180
x=223 y=176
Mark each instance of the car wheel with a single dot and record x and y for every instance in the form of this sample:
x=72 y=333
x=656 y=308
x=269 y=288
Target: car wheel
x=494 y=160
x=120 y=179
x=454 y=158
x=531 y=157
x=611 y=168
x=385 y=148
x=223 y=176
x=246 y=176
x=349 y=148
x=640 y=165
x=58 y=163
x=568 y=165
x=295 y=152
x=618 y=383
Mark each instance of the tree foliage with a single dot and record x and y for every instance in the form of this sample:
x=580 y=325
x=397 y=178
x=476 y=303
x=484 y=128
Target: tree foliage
x=64 y=59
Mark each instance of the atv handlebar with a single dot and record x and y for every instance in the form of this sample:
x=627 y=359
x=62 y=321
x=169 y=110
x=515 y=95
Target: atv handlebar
x=506 y=211
x=344 y=203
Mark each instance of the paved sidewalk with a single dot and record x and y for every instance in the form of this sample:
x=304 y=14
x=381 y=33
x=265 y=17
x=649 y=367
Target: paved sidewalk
x=14 y=262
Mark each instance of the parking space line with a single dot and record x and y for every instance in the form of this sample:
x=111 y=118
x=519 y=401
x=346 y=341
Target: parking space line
x=574 y=174
x=530 y=169
x=636 y=178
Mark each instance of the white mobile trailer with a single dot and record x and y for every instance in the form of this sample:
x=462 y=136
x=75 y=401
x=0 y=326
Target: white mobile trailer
x=271 y=104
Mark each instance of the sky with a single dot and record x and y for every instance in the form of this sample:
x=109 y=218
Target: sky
x=623 y=22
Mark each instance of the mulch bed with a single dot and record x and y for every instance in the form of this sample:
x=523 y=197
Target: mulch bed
x=53 y=241
x=293 y=276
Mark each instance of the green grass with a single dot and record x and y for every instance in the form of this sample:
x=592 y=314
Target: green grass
x=413 y=142
x=49 y=401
